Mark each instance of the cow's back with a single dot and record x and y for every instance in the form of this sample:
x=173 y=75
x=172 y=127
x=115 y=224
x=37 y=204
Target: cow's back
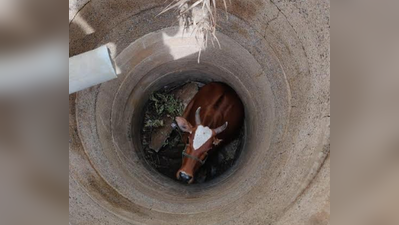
x=219 y=104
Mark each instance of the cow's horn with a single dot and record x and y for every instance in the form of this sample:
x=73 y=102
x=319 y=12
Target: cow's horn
x=197 y=116
x=222 y=128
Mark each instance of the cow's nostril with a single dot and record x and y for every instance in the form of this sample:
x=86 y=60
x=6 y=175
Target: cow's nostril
x=184 y=177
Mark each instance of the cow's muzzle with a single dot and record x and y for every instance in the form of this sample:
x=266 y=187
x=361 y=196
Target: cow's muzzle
x=185 y=177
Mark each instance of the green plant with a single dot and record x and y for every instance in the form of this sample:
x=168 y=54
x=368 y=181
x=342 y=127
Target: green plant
x=163 y=104
x=167 y=103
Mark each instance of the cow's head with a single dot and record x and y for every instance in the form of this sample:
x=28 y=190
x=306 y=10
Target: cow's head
x=201 y=139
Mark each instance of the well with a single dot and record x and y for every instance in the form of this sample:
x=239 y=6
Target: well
x=275 y=55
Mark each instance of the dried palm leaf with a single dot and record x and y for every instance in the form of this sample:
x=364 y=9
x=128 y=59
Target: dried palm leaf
x=201 y=16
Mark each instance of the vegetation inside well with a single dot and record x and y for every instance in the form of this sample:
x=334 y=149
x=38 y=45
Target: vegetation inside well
x=163 y=146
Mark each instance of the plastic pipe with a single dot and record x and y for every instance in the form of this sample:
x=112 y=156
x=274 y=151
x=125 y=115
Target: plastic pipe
x=89 y=69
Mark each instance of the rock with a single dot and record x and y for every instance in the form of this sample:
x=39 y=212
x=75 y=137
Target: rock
x=160 y=135
x=230 y=150
x=220 y=157
x=201 y=176
x=186 y=93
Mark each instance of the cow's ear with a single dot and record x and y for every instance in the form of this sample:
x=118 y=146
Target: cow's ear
x=184 y=125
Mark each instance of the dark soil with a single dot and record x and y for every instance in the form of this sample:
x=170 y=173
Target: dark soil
x=168 y=160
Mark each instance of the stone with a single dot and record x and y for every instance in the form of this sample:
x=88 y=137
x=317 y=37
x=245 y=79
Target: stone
x=221 y=157
x=160 y=135
x=230 y=150
x=186 y=93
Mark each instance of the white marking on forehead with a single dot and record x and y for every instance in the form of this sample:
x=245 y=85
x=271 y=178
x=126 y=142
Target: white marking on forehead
x=202 y=135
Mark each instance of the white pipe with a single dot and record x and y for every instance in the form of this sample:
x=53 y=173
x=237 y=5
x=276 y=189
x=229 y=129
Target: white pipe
x=89 y=69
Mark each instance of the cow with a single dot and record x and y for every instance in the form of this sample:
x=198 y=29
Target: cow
x=212 y=118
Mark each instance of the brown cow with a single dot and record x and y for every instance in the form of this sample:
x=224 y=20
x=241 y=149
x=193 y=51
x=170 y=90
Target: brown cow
x=215 y=114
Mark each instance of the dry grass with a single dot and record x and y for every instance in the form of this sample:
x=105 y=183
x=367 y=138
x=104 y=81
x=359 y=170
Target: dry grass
x=200 y=16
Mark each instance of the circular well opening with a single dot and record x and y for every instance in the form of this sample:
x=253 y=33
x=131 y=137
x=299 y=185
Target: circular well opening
x=155 y=62
x=151 y=63
x=162 y=146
